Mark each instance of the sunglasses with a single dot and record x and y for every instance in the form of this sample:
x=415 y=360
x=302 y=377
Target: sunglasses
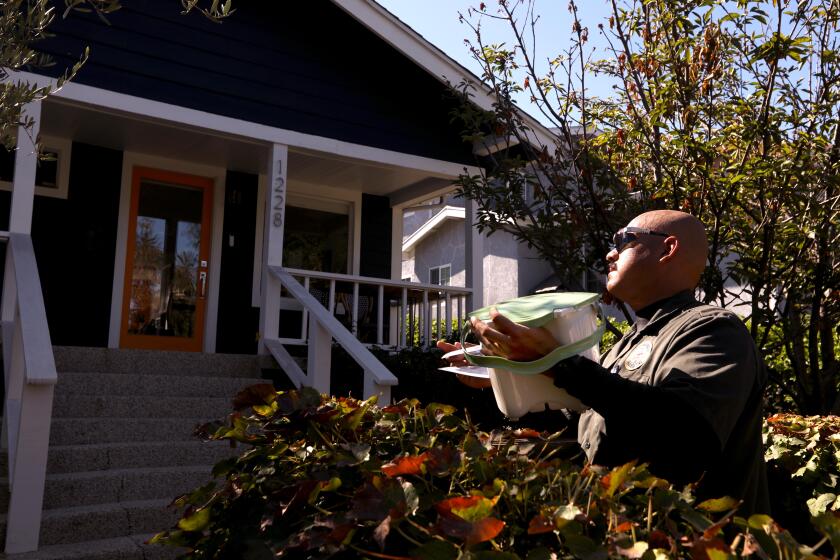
x=629 y=234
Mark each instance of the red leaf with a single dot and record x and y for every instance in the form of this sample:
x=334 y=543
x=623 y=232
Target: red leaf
x=471 y=533
x=405 y=465
x=624 y=527
x=259 y=394
x=540 y=524
x=395 y=409
x=659 y=539
x=698 y=550
x=460 y=502
x=526 y=433
x=443 y=459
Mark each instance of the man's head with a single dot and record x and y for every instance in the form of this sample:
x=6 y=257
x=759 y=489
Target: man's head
x=663 y=252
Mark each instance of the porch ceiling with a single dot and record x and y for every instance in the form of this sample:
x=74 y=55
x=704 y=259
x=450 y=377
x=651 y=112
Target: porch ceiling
x=126 y=132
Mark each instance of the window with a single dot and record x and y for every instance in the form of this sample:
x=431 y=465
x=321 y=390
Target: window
x=52 y=173
x=440 y=275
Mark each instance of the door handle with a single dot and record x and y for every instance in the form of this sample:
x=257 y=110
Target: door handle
x=202 y=279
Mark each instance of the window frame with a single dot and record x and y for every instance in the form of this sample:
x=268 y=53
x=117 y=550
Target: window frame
x=447 y=266
x=62 y=149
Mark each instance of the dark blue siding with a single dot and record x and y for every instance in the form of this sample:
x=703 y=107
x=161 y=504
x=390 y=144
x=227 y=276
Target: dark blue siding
x=303 y=66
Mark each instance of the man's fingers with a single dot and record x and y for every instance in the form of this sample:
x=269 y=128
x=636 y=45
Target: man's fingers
x=502 y=323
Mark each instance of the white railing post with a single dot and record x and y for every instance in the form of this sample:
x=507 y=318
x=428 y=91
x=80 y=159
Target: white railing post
x=304 y=328
x=30 y=469
x=354 y=314
x=427 y=323
x=404 y=328
x=380 y=312
x=371 y=387
x=319 y=357
x=29 y=378
x=473 y=255
x=275 y=216
x=448 y=314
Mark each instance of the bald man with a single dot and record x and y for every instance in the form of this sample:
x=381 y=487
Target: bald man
x=682 y=390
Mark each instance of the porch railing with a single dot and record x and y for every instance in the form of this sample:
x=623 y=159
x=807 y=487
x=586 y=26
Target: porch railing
x=365 y=308
x=30 y=377
x=409 y=313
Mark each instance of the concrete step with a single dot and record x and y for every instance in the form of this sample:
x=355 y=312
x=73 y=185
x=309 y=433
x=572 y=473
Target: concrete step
x=106 y=521
x=123 y=406
x=117 y=485
x=133 y=547
x=113 y=360
x=81 y=431
x=99 y=457
x=121 y=384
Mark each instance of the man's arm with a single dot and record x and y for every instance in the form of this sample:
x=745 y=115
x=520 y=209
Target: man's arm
x=643 y=422
x=683 y=420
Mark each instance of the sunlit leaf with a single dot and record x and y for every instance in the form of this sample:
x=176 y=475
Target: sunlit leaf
x=719 y=504
x=405 y=465
x=198 y=521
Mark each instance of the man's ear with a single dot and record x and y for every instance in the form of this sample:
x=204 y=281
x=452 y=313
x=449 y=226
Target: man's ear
x=670 y=247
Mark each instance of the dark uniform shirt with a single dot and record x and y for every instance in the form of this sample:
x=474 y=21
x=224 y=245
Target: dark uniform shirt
x=682 y=391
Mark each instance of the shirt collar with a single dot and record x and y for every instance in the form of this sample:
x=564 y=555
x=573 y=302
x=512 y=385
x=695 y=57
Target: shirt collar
x=657 y=311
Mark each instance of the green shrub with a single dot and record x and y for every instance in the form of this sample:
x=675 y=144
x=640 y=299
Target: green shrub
x=803 y=459
x=342 y=478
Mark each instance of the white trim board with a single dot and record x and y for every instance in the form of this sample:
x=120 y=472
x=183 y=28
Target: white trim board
x=217 y=174
x=447 y=213
x=146 y=109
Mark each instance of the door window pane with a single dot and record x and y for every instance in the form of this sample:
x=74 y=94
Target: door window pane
x=166 y=255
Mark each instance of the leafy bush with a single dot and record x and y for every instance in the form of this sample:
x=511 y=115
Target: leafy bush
x=803 y=458
x=343 y=478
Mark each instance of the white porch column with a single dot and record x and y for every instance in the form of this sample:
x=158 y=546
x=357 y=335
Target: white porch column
x=26 y=162
x=473 y=256
x=23 y=200
x=396 y=269
x=275 y=218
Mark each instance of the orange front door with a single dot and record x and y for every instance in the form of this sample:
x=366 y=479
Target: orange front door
x=167 y=258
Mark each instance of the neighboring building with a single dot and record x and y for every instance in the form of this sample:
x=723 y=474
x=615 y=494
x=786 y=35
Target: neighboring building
x=434 y=249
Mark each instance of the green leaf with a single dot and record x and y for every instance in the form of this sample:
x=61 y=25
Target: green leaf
x=718 y=504
x=195 y=522
x=759 y=521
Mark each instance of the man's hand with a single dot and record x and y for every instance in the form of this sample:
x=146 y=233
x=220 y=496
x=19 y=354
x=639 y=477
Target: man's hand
x=503 y=337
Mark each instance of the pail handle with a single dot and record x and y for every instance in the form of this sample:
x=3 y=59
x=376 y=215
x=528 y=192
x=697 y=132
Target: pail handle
x=540 y=364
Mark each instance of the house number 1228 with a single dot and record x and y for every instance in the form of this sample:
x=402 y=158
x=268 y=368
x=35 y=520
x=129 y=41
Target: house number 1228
x=278 y=196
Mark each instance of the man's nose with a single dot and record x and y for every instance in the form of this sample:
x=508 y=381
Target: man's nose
x=612 y=255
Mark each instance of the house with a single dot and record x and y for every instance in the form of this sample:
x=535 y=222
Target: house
x=434 y=240
x=216 y=189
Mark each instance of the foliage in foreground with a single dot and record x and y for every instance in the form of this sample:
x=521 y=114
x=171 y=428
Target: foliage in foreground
x=807 y=449
x=343 y=478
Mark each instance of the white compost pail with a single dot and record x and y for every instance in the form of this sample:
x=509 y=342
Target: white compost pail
x=572 y=319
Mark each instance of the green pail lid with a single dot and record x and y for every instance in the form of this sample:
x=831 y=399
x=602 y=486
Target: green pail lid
x=535 y=311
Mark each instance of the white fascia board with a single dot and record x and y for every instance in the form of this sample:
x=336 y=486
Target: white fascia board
x=447 y=213
x=413 y=45
x=146 y=109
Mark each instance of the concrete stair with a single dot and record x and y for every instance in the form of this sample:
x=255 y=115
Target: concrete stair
x=121 y=447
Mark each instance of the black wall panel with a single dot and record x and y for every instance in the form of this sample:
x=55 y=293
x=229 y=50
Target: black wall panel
x=375 y=249
x=304 y=66
x=75 y=245
x=238 y=321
